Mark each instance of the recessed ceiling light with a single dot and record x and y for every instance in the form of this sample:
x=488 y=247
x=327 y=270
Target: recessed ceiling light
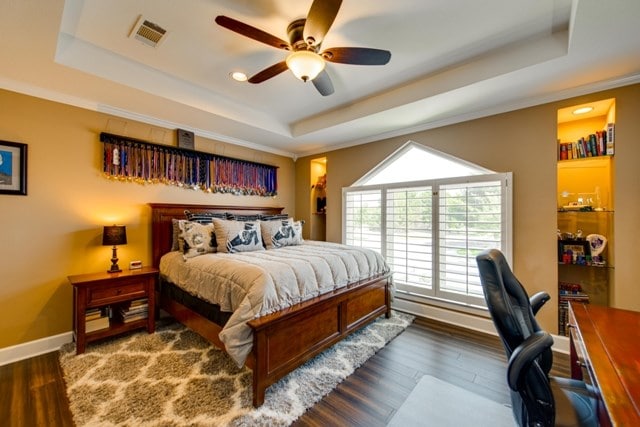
x=582 y=110
x=238 y=76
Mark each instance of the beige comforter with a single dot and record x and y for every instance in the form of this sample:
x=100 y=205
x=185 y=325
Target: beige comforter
x=252 y=284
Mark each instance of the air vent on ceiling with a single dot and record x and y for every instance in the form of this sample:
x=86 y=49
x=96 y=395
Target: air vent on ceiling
x=148 y=32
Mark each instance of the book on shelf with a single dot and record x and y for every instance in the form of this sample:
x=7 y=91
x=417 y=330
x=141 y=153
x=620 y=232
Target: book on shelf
x=596 y=144
x=610 y=138
x=96 y=324
x=134 y=317
x=127 y=317
x=92 y=313
x=139 y=302
x=96 y=313
x=563 y=151
x=592 y=145
x=136 y=310
x=568 y=292
x=601 y=142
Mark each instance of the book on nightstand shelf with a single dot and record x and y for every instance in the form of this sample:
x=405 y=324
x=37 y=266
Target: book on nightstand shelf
x=96 y=319
x=137 y=310
x=92 y=314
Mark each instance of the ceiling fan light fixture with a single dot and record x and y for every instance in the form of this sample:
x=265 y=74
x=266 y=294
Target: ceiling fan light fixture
x=305 y=65
x=238 y=76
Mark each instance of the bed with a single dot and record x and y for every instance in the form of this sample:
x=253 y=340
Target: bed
x=281 y=340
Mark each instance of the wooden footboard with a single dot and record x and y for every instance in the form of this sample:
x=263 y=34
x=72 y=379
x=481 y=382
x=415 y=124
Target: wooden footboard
x=284 y=340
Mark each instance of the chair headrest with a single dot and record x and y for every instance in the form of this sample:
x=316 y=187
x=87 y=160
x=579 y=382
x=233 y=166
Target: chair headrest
x=506 y=299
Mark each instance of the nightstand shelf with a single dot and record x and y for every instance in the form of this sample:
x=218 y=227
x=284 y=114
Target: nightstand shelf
x=112 y=292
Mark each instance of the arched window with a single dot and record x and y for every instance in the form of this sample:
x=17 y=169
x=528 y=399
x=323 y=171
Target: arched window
x=430 y=214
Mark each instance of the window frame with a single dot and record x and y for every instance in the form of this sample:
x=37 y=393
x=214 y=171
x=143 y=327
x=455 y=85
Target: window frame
x=506 y=228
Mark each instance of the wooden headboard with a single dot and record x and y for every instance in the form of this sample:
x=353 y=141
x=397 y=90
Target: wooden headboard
x=163 y=213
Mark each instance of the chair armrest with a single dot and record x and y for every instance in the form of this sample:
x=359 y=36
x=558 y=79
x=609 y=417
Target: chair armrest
x=524 y=355
x=538 y=300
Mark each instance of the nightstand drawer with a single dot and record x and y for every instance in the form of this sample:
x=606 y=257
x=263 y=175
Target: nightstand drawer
x=109 y=294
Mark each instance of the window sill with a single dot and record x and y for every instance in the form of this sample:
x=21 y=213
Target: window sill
x=470 y=309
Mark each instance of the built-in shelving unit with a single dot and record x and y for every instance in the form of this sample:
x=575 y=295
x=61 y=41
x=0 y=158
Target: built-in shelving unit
x=586 y=148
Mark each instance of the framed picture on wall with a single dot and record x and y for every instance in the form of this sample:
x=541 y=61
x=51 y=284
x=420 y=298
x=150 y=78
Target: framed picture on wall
x=13 y=168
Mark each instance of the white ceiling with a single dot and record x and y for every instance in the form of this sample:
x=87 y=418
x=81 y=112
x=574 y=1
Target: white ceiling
x=452 y=60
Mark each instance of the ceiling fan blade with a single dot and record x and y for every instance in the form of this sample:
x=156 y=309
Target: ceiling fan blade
x=319 y=20
x=251 y=32
x=323 y=83
x=357 y=55
x=269 y=72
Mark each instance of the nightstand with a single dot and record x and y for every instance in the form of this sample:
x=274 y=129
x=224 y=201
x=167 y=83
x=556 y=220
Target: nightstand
x=112 y=295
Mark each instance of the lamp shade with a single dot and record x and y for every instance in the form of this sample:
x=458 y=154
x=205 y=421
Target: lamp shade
x=305 y=65
x=114 y=235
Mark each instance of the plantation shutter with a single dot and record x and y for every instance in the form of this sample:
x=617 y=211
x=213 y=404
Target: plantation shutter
x=363 y=219
x=470 y=220
x=409 y=239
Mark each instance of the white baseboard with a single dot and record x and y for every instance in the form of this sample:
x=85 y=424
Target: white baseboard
x=561 y=344
x=463 y=320
x=34 y=348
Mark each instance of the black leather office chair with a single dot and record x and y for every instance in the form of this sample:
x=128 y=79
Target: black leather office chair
x=537 y=399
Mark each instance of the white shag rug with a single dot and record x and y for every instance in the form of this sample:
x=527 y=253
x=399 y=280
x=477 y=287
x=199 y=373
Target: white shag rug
x=176 y=378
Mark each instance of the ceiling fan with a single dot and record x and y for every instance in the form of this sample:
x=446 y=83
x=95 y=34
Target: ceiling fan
x=307 y=60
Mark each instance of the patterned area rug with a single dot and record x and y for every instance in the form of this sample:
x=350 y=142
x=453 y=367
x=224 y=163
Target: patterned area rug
x=176 y=378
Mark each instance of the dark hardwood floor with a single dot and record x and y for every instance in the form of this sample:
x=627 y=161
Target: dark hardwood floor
x=32 y=392
x=372 y=395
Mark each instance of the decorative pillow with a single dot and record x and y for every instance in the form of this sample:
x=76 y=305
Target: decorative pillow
x=277 y=217
x=238 y=236
x=240 y=217
x=205 y=217
x=277 y=234
x=199 y=239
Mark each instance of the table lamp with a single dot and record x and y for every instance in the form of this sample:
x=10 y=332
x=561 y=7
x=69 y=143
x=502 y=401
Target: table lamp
x=114 y=235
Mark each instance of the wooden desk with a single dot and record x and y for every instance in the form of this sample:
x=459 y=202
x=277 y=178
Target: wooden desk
x=607 y=341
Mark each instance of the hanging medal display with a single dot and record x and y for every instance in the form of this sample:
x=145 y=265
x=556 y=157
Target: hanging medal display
x=128 y=159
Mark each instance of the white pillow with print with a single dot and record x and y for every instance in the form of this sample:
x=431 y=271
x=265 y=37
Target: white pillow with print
x=280 y=233
x=238 y=236
x=199 y=239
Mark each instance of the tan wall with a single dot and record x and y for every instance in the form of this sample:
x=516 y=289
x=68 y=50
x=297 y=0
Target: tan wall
x=522 y=142
x=626 y=293
x=56 y=230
